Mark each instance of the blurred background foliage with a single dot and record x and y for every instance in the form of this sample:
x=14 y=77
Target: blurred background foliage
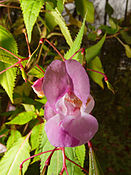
x=111 y=143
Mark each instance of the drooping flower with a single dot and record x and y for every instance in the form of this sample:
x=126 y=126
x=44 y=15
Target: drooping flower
x=66 y=86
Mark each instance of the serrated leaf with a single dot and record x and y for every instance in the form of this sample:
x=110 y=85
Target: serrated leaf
x=76 y=44
x=7 y=40
x=9 y=164
x=23 y=118
x=35 y=136
x=93 y=51
x=96 y=65
x=7 y=79
x=80 y=153
x=7 y=58
x=57 y=159
x=94 y=166
x=15 y=135
x=57 y=17
x=30 y=9
x=83 y=6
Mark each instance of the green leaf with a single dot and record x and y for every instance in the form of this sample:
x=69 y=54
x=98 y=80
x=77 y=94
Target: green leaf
x=56 y=16
x=7 y=58
x=7 y=40
x=7 y=79
x=30 y=9
x=128 y=50
x=96 y=65
x=76 y=44
x=108 y=29
x=57 y=159
x=110 y=87
x=93 y=51
x=23 y=118
x=29 y=107
x=15 y=135
x=60 y=5
x=35 y=136
x=126 y=36
x=94 y=166
x=36 y=72
x=83 y=6
x=80 y=153
x=9 y=164
x=109 y=9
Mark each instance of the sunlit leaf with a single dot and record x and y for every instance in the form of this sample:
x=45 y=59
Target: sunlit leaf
x=7 y=79
x=56 y=16
x=96 y=65
x=60 y=5
x=35 y=136
x=15 y=135
x=7 y=40
x=94 y=166
x=76 y=44
x=9 y=164
x=94 y=50
x=80 y=153
x=57 y=159
x=30 y=9
x=29 y=107
x=23 y=118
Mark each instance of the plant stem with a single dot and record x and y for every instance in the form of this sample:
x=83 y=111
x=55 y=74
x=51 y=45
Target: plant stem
x=54 y=48
x=81 y=49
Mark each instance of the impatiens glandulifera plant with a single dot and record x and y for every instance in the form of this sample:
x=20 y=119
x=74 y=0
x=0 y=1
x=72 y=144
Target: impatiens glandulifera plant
x=69 y=103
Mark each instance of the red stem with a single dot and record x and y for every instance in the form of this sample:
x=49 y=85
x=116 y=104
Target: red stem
x=21 y=165
x=40 y=68
x=105 y=77
x=64 y=162
x=19 y=62
x=54 y=48
x=10 y=53
x=81 y=49
x=27 y=41
x=77 y=165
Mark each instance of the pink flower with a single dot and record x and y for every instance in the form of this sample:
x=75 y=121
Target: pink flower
x=66 y=86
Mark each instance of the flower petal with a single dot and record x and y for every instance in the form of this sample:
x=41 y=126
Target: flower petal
x=57 y=135
x=89 y=105
x=48 y=111
x=79 y=78
x=38 y=87
x=82 y=128
x=56 y=82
